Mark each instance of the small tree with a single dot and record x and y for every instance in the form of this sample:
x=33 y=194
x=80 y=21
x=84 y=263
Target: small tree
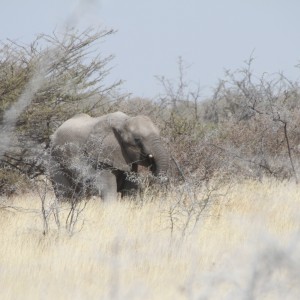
x=45 y=83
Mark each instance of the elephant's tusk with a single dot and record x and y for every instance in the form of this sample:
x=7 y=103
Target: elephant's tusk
x=150 y=156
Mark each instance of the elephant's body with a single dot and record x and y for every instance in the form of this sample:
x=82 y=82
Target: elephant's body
x=94 y=155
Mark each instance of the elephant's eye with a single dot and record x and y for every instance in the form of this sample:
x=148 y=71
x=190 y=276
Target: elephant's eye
x=137 y=140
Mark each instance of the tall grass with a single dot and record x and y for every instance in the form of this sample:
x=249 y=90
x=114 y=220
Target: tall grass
x=246 y=246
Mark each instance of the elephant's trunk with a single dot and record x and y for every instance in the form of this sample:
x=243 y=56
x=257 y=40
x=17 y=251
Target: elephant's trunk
x=159 y=157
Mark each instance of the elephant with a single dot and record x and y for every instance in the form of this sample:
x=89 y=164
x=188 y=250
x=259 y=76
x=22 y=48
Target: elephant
x=98 y=155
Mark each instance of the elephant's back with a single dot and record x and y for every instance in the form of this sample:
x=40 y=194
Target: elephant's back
x=75 y=130
x=112 y=118
x=78 y=129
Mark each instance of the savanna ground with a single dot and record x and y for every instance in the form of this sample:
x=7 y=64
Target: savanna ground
x=245 y=245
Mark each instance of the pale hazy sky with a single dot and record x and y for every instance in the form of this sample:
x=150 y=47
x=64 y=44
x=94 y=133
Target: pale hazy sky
x=210 y=36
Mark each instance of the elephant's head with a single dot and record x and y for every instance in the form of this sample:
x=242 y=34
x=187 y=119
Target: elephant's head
x=132 y=141
x=142 y=144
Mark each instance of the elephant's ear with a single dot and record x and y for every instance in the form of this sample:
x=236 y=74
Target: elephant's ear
x=104 y=145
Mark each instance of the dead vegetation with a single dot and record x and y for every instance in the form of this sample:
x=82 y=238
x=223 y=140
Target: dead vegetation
x=246 y=245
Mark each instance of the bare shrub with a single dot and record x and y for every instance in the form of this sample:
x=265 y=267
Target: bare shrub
x=248 y=129
x=192 y=202
x=259 y=116
x=64 y=216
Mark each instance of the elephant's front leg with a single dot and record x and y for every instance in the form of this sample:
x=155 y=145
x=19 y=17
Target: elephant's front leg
x=127 y=183
x=130 y=187
x=107 y=185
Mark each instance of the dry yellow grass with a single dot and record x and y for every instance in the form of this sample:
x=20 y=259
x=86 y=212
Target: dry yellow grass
x=246 y=247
